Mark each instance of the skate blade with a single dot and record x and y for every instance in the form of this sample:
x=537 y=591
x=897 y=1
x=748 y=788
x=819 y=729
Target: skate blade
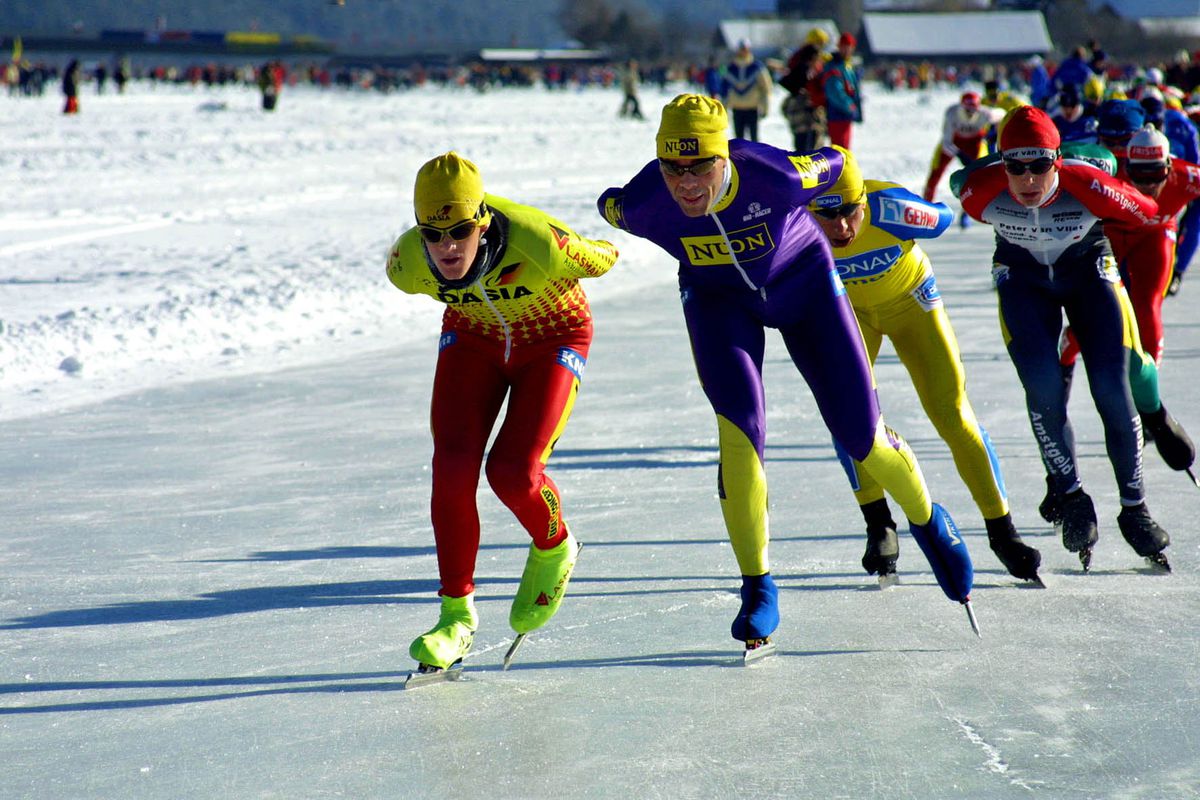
x=1036 y=582
x=512 y=650
x=888 y=580
x=757 y=650
x=1192 y=475
x=426 y=675
x=1085 y=559
x=971 y=617
x=1158 y=562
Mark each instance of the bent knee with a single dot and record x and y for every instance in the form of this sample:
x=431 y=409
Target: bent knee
x=511 y=478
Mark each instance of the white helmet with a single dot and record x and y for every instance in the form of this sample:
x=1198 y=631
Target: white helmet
x=1154 y=75
x=1150 y=147
x=1151 y=93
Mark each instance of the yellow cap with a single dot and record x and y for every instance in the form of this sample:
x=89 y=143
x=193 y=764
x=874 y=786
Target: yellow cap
x=818 y=37
x=693 y=126
x=849 y=187
x=448 y=190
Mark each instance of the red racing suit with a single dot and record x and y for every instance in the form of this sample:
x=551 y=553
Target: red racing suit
x=519 y=325
x=1146 y=253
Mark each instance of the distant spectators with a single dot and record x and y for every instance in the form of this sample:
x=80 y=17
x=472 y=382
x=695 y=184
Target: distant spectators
x=746 y=91
x=70 y=87
x=843 y=96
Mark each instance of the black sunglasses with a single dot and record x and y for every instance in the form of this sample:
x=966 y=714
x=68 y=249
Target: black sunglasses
x=702 y=167
x=1039 y=166
x=837 y=212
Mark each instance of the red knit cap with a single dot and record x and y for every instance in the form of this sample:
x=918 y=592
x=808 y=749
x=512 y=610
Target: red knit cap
x=1029 y=133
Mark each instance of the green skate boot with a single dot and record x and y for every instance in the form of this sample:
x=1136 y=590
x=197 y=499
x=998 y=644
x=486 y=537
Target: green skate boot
x=543 y=585
x=447 y=642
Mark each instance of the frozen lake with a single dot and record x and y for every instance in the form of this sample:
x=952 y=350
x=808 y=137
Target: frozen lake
x=217 y=545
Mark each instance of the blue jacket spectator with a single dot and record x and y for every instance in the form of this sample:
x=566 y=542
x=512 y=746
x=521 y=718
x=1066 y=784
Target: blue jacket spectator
x=1073 y=69
x=1178 y=128
x=1074 y=121
x=842 y=95
x=1041 y=88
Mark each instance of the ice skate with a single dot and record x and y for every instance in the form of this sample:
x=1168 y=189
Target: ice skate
x=883 y=548
x=947 y=554
x=446 y=643
x=1077 y=526
x=756 y=650
x=543 y=585
x=1144 y=535
x=758 y=617
x=1169 y=437
x=1021 y=560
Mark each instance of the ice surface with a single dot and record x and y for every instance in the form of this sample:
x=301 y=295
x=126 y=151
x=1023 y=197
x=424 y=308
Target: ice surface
x=216 y=543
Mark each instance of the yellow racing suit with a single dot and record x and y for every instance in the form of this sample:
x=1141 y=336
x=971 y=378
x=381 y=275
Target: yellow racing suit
x=892 y=288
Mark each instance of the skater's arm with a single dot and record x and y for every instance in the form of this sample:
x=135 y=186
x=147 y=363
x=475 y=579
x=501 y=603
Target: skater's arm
x=906 y=215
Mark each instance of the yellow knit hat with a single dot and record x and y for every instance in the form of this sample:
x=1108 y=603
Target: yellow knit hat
x=448 y=190
x=693 y=126
x=847 y=189
x=818 y=37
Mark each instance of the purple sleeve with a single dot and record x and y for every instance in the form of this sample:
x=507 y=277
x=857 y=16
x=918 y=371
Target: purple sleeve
x=809 y=173
x=631 y=206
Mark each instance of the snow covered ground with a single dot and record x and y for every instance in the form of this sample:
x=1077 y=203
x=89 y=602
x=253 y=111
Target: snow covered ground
x=214 y=469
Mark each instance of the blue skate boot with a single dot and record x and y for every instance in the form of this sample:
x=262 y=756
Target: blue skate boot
x=759 y=615
x=946 y=551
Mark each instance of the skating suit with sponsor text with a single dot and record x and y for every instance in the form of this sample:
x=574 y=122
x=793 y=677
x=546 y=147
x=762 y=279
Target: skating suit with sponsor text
x=518 y=326
x=1054 y=259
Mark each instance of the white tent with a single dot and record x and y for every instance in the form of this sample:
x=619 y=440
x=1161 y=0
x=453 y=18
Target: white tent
x=773 y=35
x=981 y=35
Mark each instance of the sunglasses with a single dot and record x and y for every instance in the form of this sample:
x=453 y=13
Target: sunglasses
x=1039 y=166
x=702 y=167
x=458 y=232
x=1151 y=174
x=837 y=212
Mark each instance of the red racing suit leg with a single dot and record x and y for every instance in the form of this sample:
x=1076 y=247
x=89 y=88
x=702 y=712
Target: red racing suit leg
x=840 y=131
x=937 y=168
x=472 y=378
x=1146 y=265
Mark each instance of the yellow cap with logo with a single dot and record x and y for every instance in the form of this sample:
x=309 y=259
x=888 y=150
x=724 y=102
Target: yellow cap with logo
x=693 y=126
x=448 y=190
x=848 y=188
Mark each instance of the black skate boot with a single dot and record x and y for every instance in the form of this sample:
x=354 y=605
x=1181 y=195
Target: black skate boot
x=883 y=548
x=1172 y=441
x=1077 y=525
x=1021 y=560
x=1144 y=535
x=1049 y=507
